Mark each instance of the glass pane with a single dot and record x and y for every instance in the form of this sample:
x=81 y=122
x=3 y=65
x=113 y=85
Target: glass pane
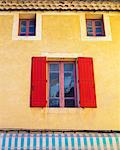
x=98 y=23
x=23 y=23
x=89 y=22
x=68 y=67
x=98 y=30
x=53 y=102
x=68 y=84
x=54 y=67
x=32 y=29
x=23 y=26
x=32 y=23
x=89 y=29
x=54 y=85
x=69 y=103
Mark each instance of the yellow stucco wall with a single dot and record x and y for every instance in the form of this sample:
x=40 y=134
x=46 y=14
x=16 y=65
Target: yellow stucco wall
x=61 y=34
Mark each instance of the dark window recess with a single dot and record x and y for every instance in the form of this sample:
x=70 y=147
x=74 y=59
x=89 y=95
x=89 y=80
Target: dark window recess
x=27 y=27
x=95 y=27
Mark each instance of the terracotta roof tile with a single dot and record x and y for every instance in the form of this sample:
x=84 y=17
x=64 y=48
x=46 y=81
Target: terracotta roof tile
x=60 y=5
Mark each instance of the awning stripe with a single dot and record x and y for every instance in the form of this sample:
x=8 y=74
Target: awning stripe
x=34 y=141
x=117 y=141
x=59 y=141
x=53 y=141
x=16 y=141
x=22 y=141
x=72 y=142
x=40 y=141
x=28 y=141
x=47 y=141
x=79 y=142
x=91 y=141
x=85 y=142
x=3 y=140
x=110 y=141
x=104 y=141
x=98 y=142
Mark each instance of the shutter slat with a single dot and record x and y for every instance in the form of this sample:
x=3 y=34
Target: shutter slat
x=38 y=82
x=86 y=82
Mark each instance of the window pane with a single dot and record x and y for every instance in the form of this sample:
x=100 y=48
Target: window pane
x=68 y=67
x=68 y=80
x=89 y=22
x=89 y=29
x=54 y=67
x=98 y=30
x=98 y=23
x=32 y=23
x=69 y=103
x=68 y=85
x=23 y=26
x=32 y=29
x=23 y=22
x=54 y=85
x=53 y=102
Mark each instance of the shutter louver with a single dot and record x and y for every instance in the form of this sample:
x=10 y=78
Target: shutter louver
x=38 y=82
x=86 y=82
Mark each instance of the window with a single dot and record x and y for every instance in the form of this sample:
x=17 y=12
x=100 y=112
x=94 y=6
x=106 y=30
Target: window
x=62 y=84
x=95 y=27
x=61 y=88
x=27 y=27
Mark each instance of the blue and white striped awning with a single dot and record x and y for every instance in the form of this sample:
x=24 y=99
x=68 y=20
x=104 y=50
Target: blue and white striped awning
x=60 y=141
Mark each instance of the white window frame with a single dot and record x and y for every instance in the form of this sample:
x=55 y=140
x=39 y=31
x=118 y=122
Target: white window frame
x=107 y=29
x=38 y=31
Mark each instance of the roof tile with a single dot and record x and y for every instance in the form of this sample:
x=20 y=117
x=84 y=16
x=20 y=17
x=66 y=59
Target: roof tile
x=60 y=5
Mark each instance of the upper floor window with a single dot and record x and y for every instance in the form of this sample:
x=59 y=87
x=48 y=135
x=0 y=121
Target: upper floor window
x=27 y=27
x=95 y=27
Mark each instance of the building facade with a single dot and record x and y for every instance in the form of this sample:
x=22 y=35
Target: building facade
x=59 y=65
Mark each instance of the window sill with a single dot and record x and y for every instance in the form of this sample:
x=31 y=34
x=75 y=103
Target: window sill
x=27 y=38
x=63 y=110
x=100 y=38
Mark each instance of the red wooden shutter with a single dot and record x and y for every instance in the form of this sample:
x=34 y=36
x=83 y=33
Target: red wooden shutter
x=38 y=82
x=86 y=82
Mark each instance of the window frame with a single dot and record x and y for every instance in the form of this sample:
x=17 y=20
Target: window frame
x=94 y=27
x=38 y=30
x=27 y=33
x=107 y=29
x=61 y=82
